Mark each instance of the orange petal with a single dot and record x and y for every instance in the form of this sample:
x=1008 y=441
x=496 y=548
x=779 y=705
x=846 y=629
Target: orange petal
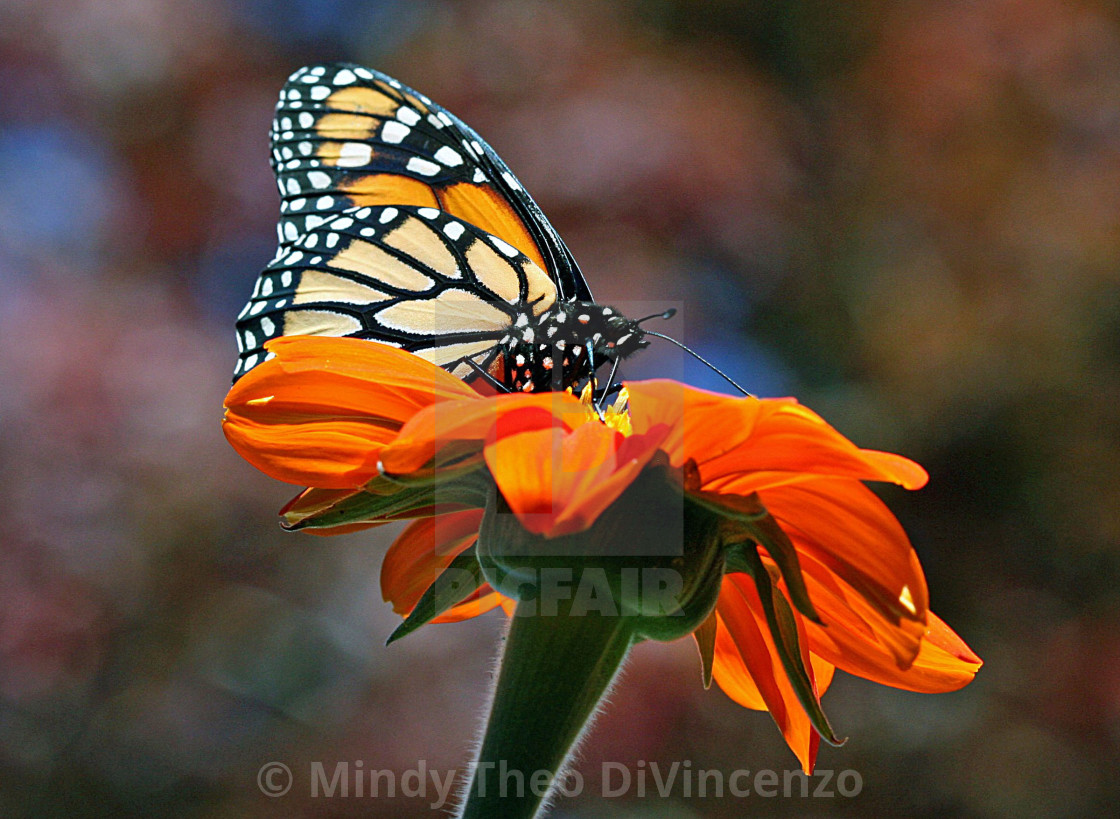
x=704 y=424
x=482 y=601
x=558 y=483
x=319 y=412
x=357 y=376
x=849 y=541
x=732 y=437
x=943 y=663
x=748 y=668
x=421 y=552
x=792 y=438
x=331 y=454
x=478 y=420
x=943 y=638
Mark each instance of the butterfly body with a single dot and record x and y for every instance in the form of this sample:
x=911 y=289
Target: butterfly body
x=401 y=225
x=560 y=346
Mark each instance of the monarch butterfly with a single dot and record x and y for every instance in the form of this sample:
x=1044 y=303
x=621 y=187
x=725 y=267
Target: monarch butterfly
x=400 y=224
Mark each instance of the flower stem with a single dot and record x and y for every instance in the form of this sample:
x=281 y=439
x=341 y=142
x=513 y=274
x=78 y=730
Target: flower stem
x=554 y=672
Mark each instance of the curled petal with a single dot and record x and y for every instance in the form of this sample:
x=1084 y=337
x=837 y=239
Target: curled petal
x=320 y=411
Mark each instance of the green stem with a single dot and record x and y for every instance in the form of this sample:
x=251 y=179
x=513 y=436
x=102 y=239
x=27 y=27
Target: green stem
x=554 y=672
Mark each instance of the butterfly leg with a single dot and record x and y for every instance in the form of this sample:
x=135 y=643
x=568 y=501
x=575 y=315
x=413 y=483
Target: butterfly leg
x=609 y=388
x=491 y=380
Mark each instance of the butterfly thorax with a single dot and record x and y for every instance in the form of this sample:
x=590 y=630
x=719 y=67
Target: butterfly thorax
x=559 y=347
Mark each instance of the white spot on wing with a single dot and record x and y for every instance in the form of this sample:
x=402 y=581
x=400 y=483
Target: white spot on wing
x=387 y=215
x=449 y=157
x=394 y=132
x=422 y=166
x=453 y=230
x=504 y=246
x=407 y=115
x=344 y=77
x=354 y=154
x=318 y=179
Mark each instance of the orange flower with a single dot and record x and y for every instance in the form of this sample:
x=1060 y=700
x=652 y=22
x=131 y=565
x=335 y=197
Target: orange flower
x=816 y=573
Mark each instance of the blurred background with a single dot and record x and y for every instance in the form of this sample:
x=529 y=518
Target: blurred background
x=905 y=213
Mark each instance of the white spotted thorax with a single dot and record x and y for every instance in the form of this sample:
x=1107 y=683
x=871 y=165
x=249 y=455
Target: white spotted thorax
x=560 y=346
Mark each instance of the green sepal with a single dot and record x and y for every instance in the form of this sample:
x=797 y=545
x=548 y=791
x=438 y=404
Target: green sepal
x=656 y=557
x=462 y=578
x=705 y=637
x=748 y=519
x=783 y=629
x=554 y=673
x=384 y=499
x=451 y=460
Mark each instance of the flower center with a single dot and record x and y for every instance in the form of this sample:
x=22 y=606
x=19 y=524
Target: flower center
x=616 y=415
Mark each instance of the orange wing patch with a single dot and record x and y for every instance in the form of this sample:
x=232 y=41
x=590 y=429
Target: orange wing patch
x=480 y=205
x=361 y=100
x=390 y=189
x=484 y=207
x=356 y=116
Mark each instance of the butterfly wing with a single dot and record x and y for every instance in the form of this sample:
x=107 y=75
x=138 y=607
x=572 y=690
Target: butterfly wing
x=414 y=277
x=345 y=136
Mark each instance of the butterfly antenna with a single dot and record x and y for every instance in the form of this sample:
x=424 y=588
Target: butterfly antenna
x=665 y=314
x=702 y=360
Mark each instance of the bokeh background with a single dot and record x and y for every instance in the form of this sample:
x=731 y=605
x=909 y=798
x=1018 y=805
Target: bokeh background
x=905 y=213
